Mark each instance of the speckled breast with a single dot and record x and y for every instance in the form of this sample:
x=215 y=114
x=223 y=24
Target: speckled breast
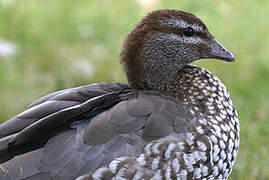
x=217 y=129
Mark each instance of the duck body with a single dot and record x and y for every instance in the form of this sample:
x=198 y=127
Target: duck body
x=176 y=122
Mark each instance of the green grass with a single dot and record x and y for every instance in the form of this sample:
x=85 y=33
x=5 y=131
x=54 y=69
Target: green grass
x=53 y=51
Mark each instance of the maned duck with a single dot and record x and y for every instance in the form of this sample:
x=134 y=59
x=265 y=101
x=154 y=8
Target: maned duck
x=172 y=120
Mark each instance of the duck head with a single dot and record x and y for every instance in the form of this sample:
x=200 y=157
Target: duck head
x=162 y=43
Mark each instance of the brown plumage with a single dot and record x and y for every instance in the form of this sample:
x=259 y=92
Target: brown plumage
x=173 y=121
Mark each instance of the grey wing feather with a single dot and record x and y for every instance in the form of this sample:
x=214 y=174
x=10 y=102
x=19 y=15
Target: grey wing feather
x=53 y=112
x=123 y=118
x=160 y=114
x=82 y=93
x=151 y=114
x=55 y=102
x=62 y=117
x=95 y=143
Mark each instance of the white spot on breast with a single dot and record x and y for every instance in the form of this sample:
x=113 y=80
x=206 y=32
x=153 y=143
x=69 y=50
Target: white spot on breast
x=216 y=127
x=202 y=121
x=227 y=126
x=202 y=155
x=213 y=89
x=189 y=138
x=224 y=167
x=208 y=88
x=205 y=92
x=147 y=149
x=220 y=164
x=155 y=163
x=196 y=156
x=224 y=137
x=175 y=165
x=200 y=129
x=197 y=173
x=214 y=95
x=201 y=146
x=214 y=139
x=211 y=80
x=204 y=170
x=220 y=177
x=231 y=145
x=141 y=160
x=99 y=173
x=236 y=144
x=120 y=173
x=202 y=85
x=180 y=145
x=221 y=97
x=188 y=159
x=229 y=157
x=231 y=125
x=213 y=121
x=215 y=156
x=138 y=175
x=216 y=152
x=189 y=167
x=168 y=173
x=113 y=166
x=215 y=82
x=211 y=107
x=210 y=99
x=218 y=119
x=215 y=170
x=223 y=116
x=196 y=108
x=218 y=133
x=222 y=144
x=225 y=103
x=232 y=135
x=155 y=148
x=223 y=155
x=222 y=111
x=170 y=148
x=183 y=174
x=223 y=127
x=220 y=106
x=191 y=111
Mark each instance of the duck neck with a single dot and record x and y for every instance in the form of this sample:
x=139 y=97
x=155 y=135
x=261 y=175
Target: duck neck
x=160 y=80
x=161 y=61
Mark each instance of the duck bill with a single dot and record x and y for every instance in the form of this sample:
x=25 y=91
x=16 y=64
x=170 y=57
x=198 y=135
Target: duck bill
x=218 y=51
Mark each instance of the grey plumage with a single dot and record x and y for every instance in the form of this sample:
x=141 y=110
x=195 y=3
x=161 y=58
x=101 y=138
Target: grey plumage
x=173 y=120
x=56 y=111
x=121 y=124
x=183 y=142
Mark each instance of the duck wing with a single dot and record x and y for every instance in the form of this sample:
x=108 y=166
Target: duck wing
x=52 y=113
x=94 y=142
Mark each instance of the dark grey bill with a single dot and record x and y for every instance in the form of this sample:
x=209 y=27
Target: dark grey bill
x=218 y=51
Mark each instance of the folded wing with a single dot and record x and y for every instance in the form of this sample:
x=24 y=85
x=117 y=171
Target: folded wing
x=132 y=120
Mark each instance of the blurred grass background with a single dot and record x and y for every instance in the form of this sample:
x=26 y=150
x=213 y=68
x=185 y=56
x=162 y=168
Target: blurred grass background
x=50 y=45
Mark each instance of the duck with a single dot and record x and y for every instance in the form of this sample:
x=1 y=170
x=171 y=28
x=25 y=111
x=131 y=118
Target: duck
x=172 y=120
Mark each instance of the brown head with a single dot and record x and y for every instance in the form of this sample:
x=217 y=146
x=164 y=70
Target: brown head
x=162 y=43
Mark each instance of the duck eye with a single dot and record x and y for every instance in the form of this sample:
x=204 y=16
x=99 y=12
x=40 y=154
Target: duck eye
x=188 y=31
